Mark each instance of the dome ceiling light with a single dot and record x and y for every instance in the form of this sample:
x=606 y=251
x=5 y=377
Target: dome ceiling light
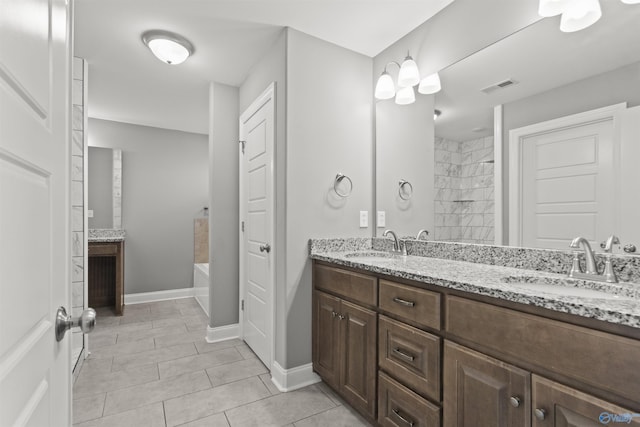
x=168 y=47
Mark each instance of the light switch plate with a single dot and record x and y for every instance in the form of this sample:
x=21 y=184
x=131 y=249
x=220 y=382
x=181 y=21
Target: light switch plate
x=89 y=213
x=382 y=219
x=364 y=219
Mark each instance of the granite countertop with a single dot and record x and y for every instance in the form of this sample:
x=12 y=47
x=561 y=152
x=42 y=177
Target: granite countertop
x=106 y=235
x=615 y=303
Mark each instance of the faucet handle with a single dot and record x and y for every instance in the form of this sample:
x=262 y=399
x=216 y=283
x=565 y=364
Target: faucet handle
x=608 y=244
x=575 y=265
x=609 y=274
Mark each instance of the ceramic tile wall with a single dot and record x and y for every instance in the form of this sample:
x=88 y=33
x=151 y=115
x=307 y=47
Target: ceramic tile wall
x=78 y=152
x=464 y=202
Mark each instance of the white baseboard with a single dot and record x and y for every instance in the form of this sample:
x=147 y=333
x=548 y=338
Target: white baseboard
x=158 y=296
x=294 y=378
x=222 y=333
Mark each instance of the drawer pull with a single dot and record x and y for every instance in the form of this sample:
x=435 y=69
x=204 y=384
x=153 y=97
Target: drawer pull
x=402 y=418
x=404 y=302
x=403 y=354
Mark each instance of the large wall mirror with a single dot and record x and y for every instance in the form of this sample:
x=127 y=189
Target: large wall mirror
x=104 y=176
x=564 y=183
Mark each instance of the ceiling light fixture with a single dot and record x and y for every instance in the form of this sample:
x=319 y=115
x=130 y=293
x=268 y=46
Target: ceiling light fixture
x=576 y=14
x=168 y=47
x=436 y=114
x=408 y=77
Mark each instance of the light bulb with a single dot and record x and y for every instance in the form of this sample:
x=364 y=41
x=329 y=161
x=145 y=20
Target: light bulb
x=579 y=15
x=430 y=84
x=409 y=74
x=384 y=87
x=405 y=96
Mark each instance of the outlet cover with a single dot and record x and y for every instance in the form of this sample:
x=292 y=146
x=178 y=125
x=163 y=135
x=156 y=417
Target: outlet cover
x=382 y=219
x=364 y=219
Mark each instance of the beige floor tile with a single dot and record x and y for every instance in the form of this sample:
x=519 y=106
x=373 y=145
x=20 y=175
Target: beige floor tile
x=95 y=366
x=121 y=349
x=186 y=302
x=205 y=403
x=153 y=356
x=172 y=321
x=266 y=379
x=246 y=352
x=329 y=392
x=234 y=371
x=88 y=384
x=204 y=347
x=88 y=408
x=151 y=333
x=340 y=416
x=191 y=311
x=135 y=309
x=183 y=338
x=281 y=409
x=147 y=416
x=107 y=320
x=202 y=326
x=198 y=362
x=118 y=329
x=217 y=420
x=156 y=391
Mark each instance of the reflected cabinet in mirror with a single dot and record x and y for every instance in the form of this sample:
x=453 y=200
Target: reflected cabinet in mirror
x=104 y=176
x=537 y=141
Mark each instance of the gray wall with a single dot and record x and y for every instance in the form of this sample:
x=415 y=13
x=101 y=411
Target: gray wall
x=100 y=182
x=614 y=87
x=223 y=205
x=329 y=130
x=272 y=68
x=165 y=186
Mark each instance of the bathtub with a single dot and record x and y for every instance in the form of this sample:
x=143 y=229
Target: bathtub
x=201 y=285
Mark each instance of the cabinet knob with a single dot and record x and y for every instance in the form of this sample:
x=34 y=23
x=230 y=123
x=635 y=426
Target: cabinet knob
x=515 y=401
x=334 y=314
x=340 y=316
x=540 y=414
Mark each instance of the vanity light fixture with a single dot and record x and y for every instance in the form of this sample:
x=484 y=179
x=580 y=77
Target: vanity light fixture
x=576 y=14
x=408 y=77
x=168 y=47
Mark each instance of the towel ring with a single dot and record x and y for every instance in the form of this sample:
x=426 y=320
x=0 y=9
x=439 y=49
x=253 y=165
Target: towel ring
x=405 y=189
x=339 y=178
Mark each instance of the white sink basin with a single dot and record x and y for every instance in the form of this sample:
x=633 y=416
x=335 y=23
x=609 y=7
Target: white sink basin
x=563 y=287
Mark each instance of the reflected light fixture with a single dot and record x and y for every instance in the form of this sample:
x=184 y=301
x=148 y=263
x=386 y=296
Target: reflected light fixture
x=436 y=114
x=408 y=77
x=168 y=47
x=576 y=14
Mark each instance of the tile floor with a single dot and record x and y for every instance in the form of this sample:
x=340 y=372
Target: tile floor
x=152 y=367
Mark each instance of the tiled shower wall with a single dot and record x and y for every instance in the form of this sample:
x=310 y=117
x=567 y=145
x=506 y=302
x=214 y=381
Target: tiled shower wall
x=78 y=250
x=464 y=202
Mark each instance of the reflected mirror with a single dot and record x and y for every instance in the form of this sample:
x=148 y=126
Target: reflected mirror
x=104 y=180
x=464 y=187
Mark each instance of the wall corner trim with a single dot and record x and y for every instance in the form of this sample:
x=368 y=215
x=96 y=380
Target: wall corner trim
x=158 y=296
x=294 y=378
x=222 y=333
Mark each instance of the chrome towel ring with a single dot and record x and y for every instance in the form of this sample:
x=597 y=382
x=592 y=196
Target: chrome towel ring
x=405 y=189
x=336 y=184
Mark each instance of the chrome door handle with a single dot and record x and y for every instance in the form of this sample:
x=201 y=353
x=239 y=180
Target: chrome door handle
x=86 y=321
x=403 y=354
x=265 y=248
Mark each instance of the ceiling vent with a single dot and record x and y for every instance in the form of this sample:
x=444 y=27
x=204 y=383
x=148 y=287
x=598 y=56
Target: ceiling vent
x=497 y=86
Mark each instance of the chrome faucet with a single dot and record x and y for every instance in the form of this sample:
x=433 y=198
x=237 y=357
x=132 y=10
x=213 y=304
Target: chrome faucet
x=590 y=259
x=591 y=270
x=398 y=247
x=421 y=232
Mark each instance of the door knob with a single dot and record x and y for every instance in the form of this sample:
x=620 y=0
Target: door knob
x=265 y=248
x=86 y=321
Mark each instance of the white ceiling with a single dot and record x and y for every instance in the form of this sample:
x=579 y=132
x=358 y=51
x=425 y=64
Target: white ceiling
x=128 y=84
x=539 y=58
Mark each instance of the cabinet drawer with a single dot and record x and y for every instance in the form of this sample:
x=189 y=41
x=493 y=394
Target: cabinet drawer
x=410 y=355
x=410 y=303
x=598 y=359
x=400 y=407
x=354 y=286
x=97 y=250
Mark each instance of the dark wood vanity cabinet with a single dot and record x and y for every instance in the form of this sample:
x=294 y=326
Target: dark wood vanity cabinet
x=344 y=349
x=106 y=275
x=405 y=355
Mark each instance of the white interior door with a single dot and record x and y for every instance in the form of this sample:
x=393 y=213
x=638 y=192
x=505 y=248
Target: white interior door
x=35 y=374
x=257 y=132
x=566 y=182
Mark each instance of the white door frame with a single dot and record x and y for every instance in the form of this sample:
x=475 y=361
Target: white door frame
x=268 y=95
x=516 y=139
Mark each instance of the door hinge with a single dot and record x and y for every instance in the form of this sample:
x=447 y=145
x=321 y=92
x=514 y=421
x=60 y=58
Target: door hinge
x=243 y=143
x=243 y=226
x=242 y=305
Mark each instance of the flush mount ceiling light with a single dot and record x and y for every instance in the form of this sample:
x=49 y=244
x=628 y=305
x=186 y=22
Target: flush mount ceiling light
x=576 y=14
x=436 y=114
x=408 y=77
x=168 y=47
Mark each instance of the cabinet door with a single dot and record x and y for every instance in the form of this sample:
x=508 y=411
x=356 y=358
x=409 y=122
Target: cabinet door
x=561 y=406
x=482 y=391
x=326 y=337
x=358 y=379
